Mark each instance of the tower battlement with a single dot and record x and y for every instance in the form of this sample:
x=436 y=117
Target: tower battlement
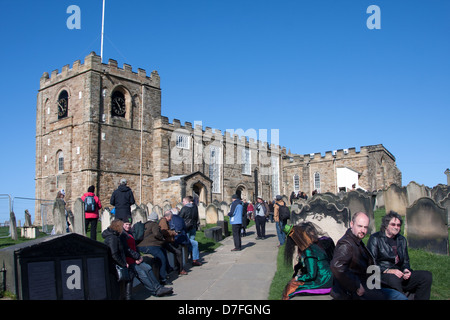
x=92 y=62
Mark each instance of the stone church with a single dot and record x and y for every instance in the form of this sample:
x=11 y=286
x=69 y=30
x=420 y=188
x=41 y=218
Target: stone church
x=97 y=123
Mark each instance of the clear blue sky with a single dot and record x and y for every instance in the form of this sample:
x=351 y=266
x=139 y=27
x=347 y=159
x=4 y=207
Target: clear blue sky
x=311 y=69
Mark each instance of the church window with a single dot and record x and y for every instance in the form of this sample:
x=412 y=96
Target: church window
x=275 y=166
x=214 y=168
x=246 y=161
x=317 y=181
x=182 y=141
x=63 y=104
x=296 y=183
x=60 y=162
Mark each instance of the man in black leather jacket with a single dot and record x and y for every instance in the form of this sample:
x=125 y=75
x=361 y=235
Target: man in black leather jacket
x=390 y=250
x=350 y=264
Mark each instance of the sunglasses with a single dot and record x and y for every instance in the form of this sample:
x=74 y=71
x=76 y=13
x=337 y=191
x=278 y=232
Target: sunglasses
x=395 y=224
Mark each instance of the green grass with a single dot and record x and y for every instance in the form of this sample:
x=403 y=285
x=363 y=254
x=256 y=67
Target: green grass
x=419 y=260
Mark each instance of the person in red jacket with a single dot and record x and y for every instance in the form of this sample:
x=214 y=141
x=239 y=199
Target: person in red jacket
x=91 y=211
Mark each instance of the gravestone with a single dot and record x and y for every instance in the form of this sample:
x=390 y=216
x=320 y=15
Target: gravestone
x=139 y=214
x=445 y=203
x=415 y=191
x=13 y=226
x=69 y=267
x=202 y=214
x=211 y=214
x=79 y=217
x=357 y=201
x=106 y=217
x=396 y=199
x=59 y=216
x=28 y=222
x=427 y=226
x=327 y=216
x=158 y=210
x=439 y=192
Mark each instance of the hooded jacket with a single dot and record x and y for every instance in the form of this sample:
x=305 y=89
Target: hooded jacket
x=122 y=199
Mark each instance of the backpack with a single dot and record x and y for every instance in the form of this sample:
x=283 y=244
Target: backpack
x=89 y=204
x=283 y=212
x=138 y=231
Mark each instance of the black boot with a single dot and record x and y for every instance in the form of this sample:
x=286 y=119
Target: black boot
x=128 y=290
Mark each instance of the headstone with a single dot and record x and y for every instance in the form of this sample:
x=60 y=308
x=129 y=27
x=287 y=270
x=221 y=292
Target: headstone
x=13 y=226
x=211 y=214
x=28 y=222
x=214 y=233
x=427 y=226
x=357 y=201
x=439 y=192
x=144 y=207
x=59 y=216
x=202 y=214
x=327 y=216
x=446 y=204
x=395 y=199
x=139 y=214
x=224 y=225
x=415 y=191
x=158 y=210
x=106 y=217
x=79 y=217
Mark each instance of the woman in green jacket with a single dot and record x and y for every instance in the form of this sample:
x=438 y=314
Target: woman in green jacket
x=312 y=272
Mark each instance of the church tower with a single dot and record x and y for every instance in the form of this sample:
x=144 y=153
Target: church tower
x=93 y=127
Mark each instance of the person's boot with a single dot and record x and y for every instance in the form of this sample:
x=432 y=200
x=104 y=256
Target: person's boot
x=128 y=290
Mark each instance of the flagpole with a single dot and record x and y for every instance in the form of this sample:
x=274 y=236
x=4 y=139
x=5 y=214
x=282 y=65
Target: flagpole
x=103 y=29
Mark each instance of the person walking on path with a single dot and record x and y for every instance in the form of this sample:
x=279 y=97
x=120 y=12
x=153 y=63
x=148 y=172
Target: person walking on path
x=122 y=199
x=279 y=222
x=92 y=205
x=260 y=218
x=235 y=215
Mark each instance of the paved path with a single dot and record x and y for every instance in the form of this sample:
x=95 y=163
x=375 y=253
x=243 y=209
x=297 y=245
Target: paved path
x=226 y=274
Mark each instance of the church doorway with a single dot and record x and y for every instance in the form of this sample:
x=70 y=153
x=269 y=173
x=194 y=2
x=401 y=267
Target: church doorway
x=241 y=192
x=199 y=193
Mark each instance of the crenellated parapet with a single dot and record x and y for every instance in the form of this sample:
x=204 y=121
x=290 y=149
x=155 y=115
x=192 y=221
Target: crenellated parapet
x=93 y=62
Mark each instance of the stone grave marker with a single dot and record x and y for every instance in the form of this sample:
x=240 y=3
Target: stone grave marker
x=211 y=214
x=79 y=218
x=427 y=226
x=59 y=217
x=396 y=199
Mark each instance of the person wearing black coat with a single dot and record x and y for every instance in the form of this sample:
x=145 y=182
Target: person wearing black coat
x=390 y=250
x=350 y=266
x=122 y=199
x=117 y=250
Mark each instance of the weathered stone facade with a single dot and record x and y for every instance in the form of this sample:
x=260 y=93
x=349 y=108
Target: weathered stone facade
x=91 y=142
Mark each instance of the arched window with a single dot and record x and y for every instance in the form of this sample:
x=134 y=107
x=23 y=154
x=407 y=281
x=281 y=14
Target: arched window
x=60 y=161
x=63 y=104
x=317 y=181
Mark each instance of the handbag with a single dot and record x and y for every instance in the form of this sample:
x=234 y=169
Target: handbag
x=122 y=273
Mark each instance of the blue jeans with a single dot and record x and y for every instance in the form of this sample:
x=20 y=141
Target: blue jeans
x=195 y=253
x=157 y=252
x=382 y=294
x=145 y=275
x=281 y=235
